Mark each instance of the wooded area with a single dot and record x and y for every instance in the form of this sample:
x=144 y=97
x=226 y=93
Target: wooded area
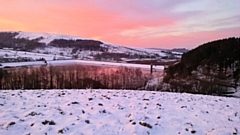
x=211 y=68
x=72 y=77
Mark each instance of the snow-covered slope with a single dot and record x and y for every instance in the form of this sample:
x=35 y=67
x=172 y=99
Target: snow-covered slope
x=16 y=54
x=45 y=37
x=113 y=112
x=129 y=52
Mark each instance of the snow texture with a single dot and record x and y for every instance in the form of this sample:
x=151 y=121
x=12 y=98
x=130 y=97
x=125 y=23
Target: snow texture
x=116 y=112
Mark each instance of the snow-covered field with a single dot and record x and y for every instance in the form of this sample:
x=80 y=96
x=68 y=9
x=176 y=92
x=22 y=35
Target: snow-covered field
x=14 y=54
x=116 y=112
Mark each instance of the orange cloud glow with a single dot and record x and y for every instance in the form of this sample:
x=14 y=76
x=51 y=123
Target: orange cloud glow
x=142 y=24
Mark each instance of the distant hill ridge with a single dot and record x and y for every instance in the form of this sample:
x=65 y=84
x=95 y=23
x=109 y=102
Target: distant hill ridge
x=77 y=48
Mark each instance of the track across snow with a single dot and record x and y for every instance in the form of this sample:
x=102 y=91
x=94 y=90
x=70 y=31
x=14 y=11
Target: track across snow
x=116 y=112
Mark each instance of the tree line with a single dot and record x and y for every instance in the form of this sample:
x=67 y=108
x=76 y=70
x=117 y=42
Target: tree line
x=72 y=77
x=211 y=68
x=8 y=40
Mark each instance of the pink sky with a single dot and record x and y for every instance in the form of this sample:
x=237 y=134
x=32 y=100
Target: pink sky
x=141 y=23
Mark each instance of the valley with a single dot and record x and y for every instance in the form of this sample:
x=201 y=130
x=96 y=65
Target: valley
x=119 y=67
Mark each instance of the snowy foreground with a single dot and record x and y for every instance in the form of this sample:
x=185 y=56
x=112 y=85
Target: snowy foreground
x=115 y=112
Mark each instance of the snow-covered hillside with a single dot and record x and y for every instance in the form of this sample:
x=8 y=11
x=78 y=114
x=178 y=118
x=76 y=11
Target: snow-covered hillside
x=113 y=112
x=5 y=53
x=45 y=37
x=80 y=48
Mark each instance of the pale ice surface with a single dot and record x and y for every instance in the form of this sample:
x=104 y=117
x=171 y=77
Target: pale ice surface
x=116 y=112
x=82 y=62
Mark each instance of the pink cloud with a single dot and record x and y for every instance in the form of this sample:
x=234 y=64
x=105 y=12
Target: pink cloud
x=106 y=20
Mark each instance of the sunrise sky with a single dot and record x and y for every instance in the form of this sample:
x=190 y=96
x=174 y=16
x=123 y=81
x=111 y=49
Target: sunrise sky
x=137 y=23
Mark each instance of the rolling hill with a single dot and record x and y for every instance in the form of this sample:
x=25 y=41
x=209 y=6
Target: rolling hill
x=82 y=48
x=211 y=68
